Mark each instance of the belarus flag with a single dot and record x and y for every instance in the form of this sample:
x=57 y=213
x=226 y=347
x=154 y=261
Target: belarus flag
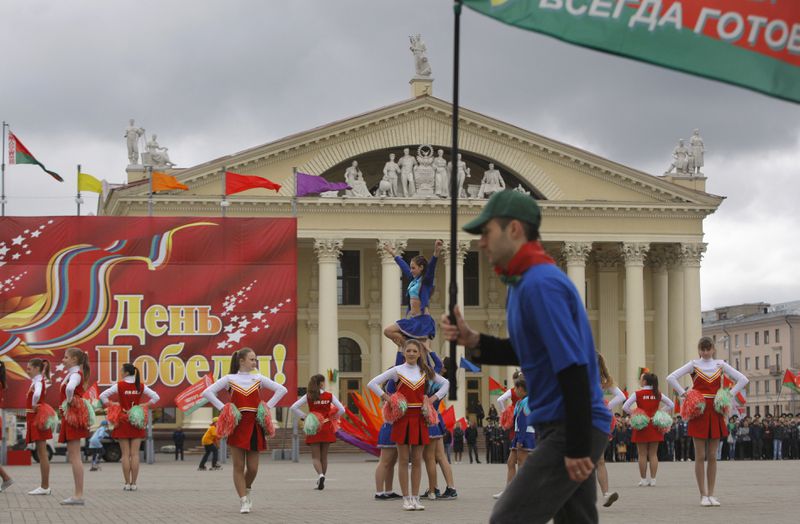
x=19 y=154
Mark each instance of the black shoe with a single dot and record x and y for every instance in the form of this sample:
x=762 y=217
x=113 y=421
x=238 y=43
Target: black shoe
x=393 y=495
x=382 y=496
x=321 y=483
x=201 y=468
x=449 y=494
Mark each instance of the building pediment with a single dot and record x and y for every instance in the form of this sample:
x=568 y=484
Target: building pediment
x=551 y=170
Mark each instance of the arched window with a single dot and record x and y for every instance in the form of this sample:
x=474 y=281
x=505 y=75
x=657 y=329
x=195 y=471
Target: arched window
x=349 y=356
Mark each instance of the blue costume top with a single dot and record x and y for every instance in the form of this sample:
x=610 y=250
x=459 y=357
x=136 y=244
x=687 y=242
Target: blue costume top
x=425 y=283
x=550 y=332
x=422 y=325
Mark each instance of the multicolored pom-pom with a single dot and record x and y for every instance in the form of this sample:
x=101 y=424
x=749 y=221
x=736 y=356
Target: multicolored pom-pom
x=264 y=419
x=693 y=405
x=137 y=416
x=76 y=413
x=311 y=426
x=91 y=418
x=723 y=401
x=639 y=419
x=662 y=421
x=429 y=412
x=114 y=414
x=507 y=417
x=395 y=408
x=45 y=418
x=229 y=418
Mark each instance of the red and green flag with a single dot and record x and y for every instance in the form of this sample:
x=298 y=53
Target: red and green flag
x=19 y=154
x=728 y=383
x=791 y=381
x=749 y=43
x=495 y=388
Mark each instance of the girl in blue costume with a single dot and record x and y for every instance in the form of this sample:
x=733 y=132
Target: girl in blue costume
x=524 y=440
x=418 y=323
x=384 y=472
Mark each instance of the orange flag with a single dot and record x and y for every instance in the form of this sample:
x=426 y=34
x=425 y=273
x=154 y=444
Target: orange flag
x=165 y=182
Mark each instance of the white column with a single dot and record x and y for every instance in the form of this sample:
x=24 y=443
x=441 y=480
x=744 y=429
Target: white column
x=575 y=254
x=313 y=345
x=661 y=313
x=391 y=297
x=692 y=314
x=328 y=252
x=634 y=254
x=461 y=382
x=608 y=295
x=375 y=355
x=677 y=352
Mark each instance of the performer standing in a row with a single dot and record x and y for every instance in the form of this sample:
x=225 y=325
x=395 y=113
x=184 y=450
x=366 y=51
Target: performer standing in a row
x=129 y=391
x=410 y=432
x=39 y=371
x=319 y=403
x=648 y=399
x=418 y=323
x=248 y=438
x=708 y=426
x=512 y=395
x=74 y=427
x=7 y=481
x=617 y=399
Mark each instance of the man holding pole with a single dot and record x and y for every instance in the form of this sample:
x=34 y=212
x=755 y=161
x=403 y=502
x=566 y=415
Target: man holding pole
x=550 y=338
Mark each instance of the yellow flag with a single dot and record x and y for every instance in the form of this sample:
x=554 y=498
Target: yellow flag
x=89 y=183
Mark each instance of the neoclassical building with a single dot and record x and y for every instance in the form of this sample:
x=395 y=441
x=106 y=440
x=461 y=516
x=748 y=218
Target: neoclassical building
x=631 y=242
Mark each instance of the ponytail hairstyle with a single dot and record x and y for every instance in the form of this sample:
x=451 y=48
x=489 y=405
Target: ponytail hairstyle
x=606 y=380
x=422 y=262
x=130 y=369
x=651 y=379
x=314 y=387
x=42 y=365
x=83 y=361
x=237 y=357
x=516 y=374
x=422 y=361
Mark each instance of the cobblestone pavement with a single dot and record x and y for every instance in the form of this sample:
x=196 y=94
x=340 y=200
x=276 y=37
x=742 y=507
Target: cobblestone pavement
x=171 y=492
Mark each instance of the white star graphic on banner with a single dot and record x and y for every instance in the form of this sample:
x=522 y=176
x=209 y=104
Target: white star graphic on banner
x=240 y=293
x=229 y=328
x=235 y=337
x=280 y=305
x=255 y=329
x=244 y=323
x=16 y=256
x=235 y=318
x=274 y=310
x=258 y=314
x=60 y=367
x=36 y=234
x=222 y=345
x=288 y=300
x=16 y=241
x=4 y=250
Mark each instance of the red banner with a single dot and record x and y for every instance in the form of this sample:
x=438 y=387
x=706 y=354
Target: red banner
x=174 y=296
x=191 y=396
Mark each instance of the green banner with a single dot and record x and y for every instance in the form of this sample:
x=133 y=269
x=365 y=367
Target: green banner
x=749 y=43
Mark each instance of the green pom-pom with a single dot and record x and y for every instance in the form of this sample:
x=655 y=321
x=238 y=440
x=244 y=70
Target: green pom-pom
x=403 y=405
x=137 y=417
x=639 y=421
x=261 y=414
x=90 y=411
x=63 y=408
x=662 y=420
x=311 y=425
x=723 y=401
x=52 y=423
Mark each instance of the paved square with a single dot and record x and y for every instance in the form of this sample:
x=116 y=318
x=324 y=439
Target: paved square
x=172 y=492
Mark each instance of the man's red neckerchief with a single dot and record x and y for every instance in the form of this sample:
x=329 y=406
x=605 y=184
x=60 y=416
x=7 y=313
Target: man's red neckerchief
x=529 y=255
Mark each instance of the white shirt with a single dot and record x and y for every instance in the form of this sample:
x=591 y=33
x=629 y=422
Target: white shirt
x=302 y=401
x=413 y=374
x=502 y=399
x=628 y=406
x=617 y=399
x=244 y=380
x=709 y=366
x=37 y=383
x=72 y=379
x=130 y=379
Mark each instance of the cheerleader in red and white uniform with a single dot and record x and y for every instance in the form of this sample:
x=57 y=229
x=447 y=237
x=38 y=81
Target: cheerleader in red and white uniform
x=319 y=403
x=7 y=481
x=39 y=371
x=129 y=392
x=648 y=399
x=410 y=432
x=617 y=399
x=707 y=427
x=74 y=428
x=507 y=400
x=248 y=438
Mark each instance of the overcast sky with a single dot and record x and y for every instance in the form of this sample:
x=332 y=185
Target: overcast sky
x=213 y=78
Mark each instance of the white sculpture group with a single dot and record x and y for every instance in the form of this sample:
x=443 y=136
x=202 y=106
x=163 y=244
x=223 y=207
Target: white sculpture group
x=687 y=161
x=155 y=155
x=422 y=176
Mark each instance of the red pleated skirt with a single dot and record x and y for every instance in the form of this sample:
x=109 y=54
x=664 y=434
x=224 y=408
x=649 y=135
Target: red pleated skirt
x=325 y=433
x=708 y=425
x=411 y=428
x=125 y=429
x=242 y=436
x=33 y=433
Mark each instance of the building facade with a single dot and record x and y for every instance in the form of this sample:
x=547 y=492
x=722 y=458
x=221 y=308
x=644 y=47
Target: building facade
x=761 y=341
x=631 y=242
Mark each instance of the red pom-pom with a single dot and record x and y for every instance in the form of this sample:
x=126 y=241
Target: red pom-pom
x=693 y=405
x=395 y=408
x=44 y=414
x=114 y=414
x=334 y=418
x=229 y=417
x=76 y=413
x=507 y=417
x=429 y=412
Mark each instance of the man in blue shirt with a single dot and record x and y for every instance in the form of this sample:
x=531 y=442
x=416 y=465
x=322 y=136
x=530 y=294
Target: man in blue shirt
x=551 y=340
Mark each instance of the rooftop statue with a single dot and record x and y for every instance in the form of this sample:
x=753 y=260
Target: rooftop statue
x=492 y=182
x=420 y=60
x=132 y=136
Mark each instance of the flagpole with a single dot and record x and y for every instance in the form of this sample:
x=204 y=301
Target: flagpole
x=294 y=196
x=451 y=369
x=224 y=204
x=3 y=176
x=78 y=198
x=150 y=198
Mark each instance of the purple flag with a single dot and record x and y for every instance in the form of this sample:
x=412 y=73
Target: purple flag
x=314 y=185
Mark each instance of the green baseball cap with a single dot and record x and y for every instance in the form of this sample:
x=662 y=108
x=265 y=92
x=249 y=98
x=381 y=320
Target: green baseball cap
x=509 y=204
